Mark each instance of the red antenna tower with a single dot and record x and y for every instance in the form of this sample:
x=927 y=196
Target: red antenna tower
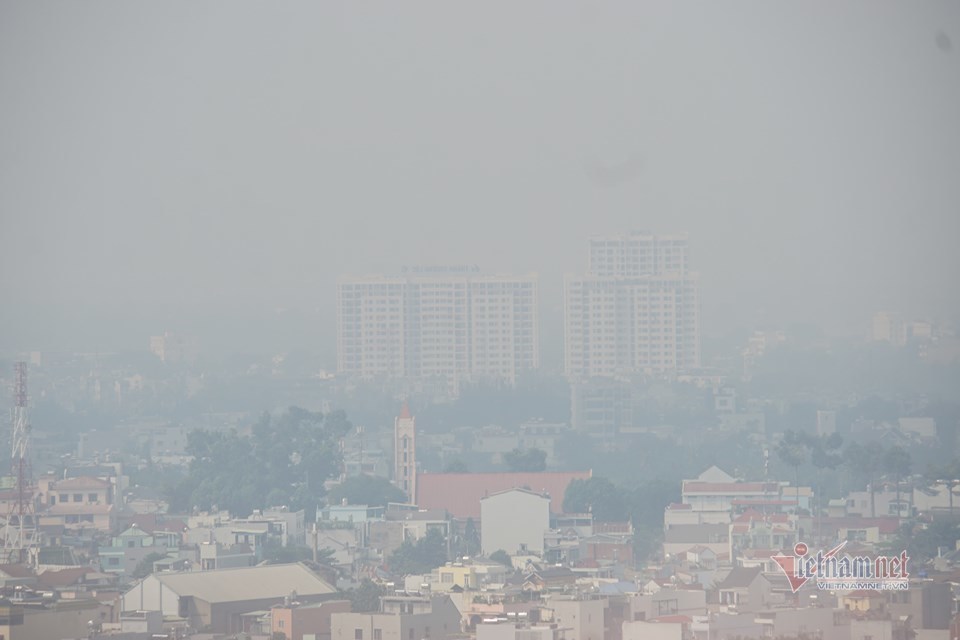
x=20 y=530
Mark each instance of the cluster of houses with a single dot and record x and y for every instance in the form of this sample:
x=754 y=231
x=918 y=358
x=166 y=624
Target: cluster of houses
x=537 y=573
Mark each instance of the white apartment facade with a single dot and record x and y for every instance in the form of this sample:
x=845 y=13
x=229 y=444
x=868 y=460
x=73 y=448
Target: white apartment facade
x=636 y=254
x=636 y=311
x=443 y=324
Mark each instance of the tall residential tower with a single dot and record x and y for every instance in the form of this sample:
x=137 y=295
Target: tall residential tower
x=636 y=311
x=438 y=323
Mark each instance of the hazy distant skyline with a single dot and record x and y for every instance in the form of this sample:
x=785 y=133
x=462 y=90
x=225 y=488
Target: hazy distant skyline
x=212 y=167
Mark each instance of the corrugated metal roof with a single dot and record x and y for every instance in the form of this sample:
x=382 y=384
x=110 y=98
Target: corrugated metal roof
x=246 y=583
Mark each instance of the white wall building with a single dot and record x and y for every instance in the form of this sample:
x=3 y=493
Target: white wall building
x=438 y=324
x=582 y=619
x=515 y=521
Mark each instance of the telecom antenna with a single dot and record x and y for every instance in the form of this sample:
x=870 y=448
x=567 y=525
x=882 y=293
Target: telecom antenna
x=20 y=530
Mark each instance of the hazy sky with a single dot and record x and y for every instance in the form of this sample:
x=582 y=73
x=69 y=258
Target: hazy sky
x=211 y=167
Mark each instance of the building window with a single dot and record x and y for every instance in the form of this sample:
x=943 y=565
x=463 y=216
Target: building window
x=358 y=634
x=78 y=497
x=91 y=497
x=377 y=634
x=64 y=497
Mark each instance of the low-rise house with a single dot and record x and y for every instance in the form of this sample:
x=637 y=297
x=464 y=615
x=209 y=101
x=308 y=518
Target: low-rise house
x=400 y=618
x=754 y=530
x=880 y=504
x=515 y=628
x=857 y=529
x=823 y=623
x=75 y=581
x=746 y=589
x=716 y=490
x=80 y=503
x=537 y=579
x=417 y=523
x=608 y=547
x=929 y=604
x=214 y=555
x=45 y=619
x=887 y=628
x=283 y=525
x=470 y=575
x=677 y=513
x=131 y=547
x=680 y=538
x=726 y=625
x=667 y=601
x=667 y=628
x=583 y=619
x=295 y=619
x=355 y=513
x=488 y=605
x=253 y=535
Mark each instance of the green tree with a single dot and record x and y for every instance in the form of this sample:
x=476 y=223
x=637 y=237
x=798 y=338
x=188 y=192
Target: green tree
x=456 y=466
x=286 y=459
x=526 y=460
x=866 y=462
x=274 y=553
x=502 y=557
x=824 y=454
x=145 y=566
x=598 y=496
x=368 y=490
x=365 y=597
x=426 y=554
x=468 y=542
x=792 y=451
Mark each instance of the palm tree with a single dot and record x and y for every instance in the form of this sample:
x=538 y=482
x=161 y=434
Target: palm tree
x=897 y=462
x=793 y=452
x=824 y=454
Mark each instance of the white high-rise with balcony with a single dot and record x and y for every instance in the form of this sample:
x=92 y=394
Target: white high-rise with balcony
x=636 y=311
x=438 y=324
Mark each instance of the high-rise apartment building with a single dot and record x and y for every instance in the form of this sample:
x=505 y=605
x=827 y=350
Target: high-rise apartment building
x=636 y=311
x=438 y=324
x=635 y=254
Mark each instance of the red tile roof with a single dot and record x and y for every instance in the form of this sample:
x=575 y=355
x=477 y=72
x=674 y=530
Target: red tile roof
x=460 y=493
